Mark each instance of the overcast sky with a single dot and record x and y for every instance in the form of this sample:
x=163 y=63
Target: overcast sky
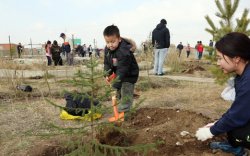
x=44 y=20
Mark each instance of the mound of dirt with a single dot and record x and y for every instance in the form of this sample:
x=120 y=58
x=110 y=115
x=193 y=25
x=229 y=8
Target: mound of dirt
x=174 y=128
x=192 y=69
x=114 y=137
x=199 y=68
x=51 y=148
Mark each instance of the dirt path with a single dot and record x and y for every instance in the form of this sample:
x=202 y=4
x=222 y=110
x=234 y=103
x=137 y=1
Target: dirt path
x=182 y=78
x=69 y=73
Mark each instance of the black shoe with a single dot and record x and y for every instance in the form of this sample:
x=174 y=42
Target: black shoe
x=160 y=74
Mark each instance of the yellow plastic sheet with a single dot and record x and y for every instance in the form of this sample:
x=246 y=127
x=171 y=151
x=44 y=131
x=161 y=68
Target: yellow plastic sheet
x=87 y=117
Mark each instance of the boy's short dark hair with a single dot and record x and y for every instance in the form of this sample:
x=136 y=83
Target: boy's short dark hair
x=111 y=30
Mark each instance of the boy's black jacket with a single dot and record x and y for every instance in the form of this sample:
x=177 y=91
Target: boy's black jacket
x=127 y=69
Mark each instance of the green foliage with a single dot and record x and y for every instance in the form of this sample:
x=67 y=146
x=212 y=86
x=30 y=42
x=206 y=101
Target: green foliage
x=220 y=76
x=92 y=81
x=225 y=14
x=212 y=53
x=96 y=149
x=242 y=23
x=226 y=11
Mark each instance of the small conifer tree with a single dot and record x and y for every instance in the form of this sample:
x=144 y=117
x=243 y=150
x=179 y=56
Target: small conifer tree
x=226 y=11
x=91 y=80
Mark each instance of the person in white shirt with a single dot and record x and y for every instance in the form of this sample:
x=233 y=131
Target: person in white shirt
x=67 y=44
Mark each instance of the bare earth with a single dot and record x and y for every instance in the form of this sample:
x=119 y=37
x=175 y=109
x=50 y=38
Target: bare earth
x=174 y=103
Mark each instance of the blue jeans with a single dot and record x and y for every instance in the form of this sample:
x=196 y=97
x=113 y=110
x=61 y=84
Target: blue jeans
x=199 y=55
x=160 y=55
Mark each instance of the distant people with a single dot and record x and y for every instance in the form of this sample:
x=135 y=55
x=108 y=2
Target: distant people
x=19 y=50
x=63 y=53
x=79 y=50
x=48 y=52
x=196 y=50
x=56 y=51
x=90 y=50
x=67 y=44
x=161 y=43
x=179 y=48
x=211 y=45
x=85 y=49
x=188 y=50
x=144 y=46
x=200 y=50
x=97 y=53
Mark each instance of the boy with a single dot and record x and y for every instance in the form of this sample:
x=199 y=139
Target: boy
x=119 y=60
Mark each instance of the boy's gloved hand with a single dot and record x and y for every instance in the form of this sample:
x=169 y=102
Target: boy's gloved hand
x=110 y=78
x=203 y=134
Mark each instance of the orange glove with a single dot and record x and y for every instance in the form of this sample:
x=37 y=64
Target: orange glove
x=111 y=77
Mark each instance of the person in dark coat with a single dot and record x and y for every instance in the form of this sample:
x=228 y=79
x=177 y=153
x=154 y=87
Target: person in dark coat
x=119 y=60
x=161 y=43
x=56 y=51
x=180 y=47
x=19 y=50
x=79 y=50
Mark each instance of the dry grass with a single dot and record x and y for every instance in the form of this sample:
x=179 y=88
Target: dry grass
x=24 y=118
x=199 y=97
x=10 y=64
x=172 y=59
x=25 y=115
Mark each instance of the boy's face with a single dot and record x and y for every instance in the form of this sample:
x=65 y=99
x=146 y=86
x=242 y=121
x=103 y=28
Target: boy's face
x=112 y=42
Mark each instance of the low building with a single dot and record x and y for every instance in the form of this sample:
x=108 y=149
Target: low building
x=5 y=49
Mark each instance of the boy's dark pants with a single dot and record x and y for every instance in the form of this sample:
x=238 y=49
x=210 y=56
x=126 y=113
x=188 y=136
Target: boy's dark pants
x=125 y=94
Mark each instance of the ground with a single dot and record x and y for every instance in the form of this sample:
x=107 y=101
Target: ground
x=170 y=107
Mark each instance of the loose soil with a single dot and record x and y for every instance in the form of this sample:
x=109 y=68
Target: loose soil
x=150 y=125
x=170 y=107
x=155 y=124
